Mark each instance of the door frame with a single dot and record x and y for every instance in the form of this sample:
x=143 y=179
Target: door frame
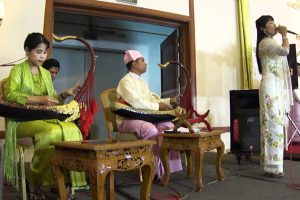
x=185 y=25
x=170 y=76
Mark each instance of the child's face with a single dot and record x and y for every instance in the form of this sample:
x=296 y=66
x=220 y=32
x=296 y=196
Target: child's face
x=140 y=66
x=38 y=55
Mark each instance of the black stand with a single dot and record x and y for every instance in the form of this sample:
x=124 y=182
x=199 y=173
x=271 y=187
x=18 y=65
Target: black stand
x=297 y=131
x=248 y=156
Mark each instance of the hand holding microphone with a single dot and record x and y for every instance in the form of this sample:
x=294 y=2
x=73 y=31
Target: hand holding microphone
x=282 y=30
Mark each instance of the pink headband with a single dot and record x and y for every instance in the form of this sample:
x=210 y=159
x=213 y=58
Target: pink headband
x=131 y=55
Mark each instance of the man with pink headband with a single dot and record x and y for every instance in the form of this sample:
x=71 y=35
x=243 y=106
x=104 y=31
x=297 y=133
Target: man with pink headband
x=135 y=92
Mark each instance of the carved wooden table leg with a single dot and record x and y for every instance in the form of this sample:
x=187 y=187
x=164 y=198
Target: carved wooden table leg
x=220 y=153
x=100 y=159
x=60 y=181
x=164 y=156
x=148 y=172
x=199 y=154
x=97 y=184
x=110 y=192
x=196 y=145
x=189 y=163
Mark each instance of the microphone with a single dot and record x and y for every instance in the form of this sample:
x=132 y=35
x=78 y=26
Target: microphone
x=291 y=32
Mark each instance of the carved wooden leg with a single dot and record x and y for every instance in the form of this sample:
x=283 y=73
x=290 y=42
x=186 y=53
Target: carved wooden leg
x=148 y=173
x=60 y=181
x=199 y=154
x=97 y=185
x=220 y=153
x=164 y=157
x=189 y=163
x=110 y=192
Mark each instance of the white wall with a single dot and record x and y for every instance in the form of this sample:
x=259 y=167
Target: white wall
x=283 y=14
x=217 y=59
x=180 y=7
x=21 y=17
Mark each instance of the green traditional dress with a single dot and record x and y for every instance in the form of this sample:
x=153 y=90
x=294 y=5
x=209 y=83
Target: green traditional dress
x=19 y=85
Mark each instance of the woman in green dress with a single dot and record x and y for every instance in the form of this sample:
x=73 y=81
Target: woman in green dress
x=29 y=83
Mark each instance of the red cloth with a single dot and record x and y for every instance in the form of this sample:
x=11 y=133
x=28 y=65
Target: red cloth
x=87 y=118
x=86 y=99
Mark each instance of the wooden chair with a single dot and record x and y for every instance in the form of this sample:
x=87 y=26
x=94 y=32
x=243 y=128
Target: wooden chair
x=106 y=97
x=23 y=144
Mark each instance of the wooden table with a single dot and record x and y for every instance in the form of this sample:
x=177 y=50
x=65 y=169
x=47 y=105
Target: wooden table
x=101 y=158
x=192 y=144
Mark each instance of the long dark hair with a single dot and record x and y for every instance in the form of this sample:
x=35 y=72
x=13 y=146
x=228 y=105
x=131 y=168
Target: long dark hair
x=260 y=24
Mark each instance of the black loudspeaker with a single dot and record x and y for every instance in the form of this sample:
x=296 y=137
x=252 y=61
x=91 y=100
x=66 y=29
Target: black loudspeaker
x=292 y=60
x=244 y=122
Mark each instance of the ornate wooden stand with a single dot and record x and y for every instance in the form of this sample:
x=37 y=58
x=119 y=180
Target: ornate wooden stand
x=192 y=115
x=192 y=144
x=101 y=158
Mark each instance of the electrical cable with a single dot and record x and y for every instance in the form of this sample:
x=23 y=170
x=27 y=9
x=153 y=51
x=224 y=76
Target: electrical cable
x=12 y=63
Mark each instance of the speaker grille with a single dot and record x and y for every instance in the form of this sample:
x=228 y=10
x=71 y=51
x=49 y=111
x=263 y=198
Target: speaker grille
x=244 y=121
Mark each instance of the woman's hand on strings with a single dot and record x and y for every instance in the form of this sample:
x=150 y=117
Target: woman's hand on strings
x=42 y=100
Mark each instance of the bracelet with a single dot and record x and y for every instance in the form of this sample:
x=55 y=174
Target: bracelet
x=285 y=37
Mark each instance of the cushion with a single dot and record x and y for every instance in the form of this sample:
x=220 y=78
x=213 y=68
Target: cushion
x=152 y=116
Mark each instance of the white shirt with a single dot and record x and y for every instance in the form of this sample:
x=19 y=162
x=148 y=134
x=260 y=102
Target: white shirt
x=135 y=91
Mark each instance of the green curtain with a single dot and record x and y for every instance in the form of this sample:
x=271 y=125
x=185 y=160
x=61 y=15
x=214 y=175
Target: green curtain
x=246 y=44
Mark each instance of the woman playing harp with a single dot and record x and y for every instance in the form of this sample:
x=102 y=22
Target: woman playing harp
x=29 y=83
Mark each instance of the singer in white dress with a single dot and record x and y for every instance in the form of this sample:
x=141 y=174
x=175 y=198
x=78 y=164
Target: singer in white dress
x=275 y=93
